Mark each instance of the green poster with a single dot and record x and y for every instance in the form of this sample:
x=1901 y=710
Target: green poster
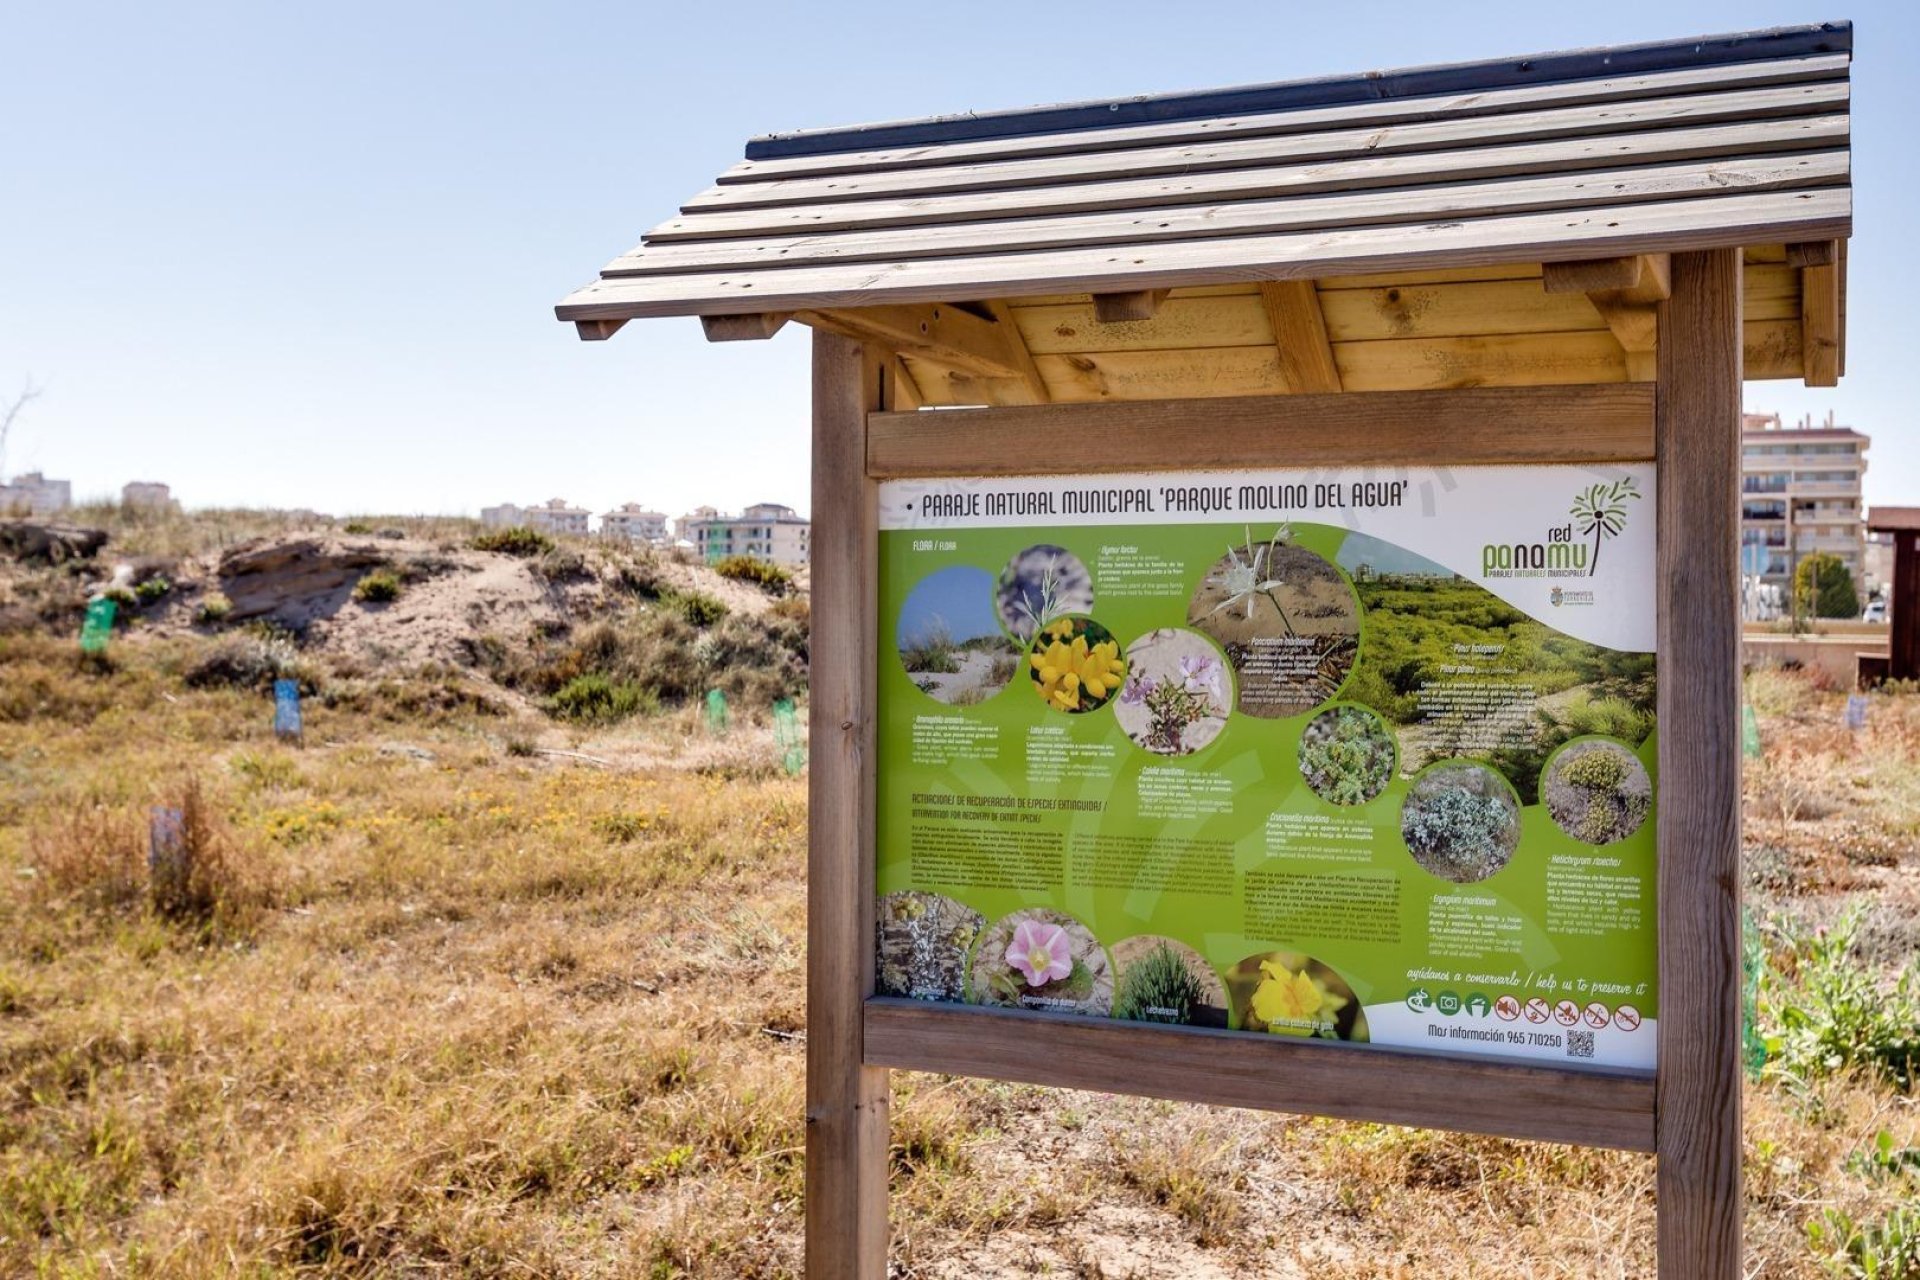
x=1353 y=756
x=97 y=627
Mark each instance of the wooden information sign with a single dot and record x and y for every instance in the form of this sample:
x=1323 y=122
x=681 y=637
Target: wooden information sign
x=1300 y=670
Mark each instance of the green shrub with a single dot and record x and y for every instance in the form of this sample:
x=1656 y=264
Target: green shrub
x=594 y=699
x=214 y=608
x=1346 y=755
x=381 y=586
x=560 y=564
x=1459 y=824
x=1884 y=1250
x=356 y=526
x=152 y=589
x=697 y=607
x=1598 y=770
x=1822 y=1011
x=516 y=540
x=764 y=574
x=1158 y=987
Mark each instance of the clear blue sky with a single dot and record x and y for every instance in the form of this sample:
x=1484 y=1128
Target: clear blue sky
x=306 y=255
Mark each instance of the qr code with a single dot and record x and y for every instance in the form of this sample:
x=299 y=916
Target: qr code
x=1579 y=1043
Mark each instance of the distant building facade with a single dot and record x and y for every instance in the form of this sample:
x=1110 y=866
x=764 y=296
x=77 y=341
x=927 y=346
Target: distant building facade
x=146 y=495
x=555 y=516
x=634 y=523
x=766 y=530
x=1800 y=494
x=504 y=516
x=551 y=516
x=32 y=494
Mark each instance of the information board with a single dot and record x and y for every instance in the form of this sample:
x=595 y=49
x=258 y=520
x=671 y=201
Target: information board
x=1359 y=755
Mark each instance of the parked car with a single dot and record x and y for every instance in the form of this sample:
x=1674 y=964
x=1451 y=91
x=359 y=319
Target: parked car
x=1876 y=611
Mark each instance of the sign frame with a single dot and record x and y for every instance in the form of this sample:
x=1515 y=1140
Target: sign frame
x=1687 y=1111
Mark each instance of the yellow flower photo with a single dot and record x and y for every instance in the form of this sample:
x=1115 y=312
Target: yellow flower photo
x=1289 y=993
x=1076 y=665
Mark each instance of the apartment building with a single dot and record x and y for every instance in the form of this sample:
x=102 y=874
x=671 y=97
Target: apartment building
x=634 y=523
x=551 y=516
x=555 y=516
x=1800 y=493
x=32 y=494
x=766 y=530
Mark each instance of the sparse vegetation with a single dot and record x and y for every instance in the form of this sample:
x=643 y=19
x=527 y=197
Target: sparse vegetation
x=515 y=540
x=382 y=586
x=769 y=577
x=213 y=610
x=484 y=1005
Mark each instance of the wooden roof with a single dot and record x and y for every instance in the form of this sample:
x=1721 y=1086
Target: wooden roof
x=1524 y=203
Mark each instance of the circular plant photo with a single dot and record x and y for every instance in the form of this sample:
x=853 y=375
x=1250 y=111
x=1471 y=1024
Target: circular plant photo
x=1289 y=993
x=949 y=637
x=1346 y=755
x=1076 y=665
x=1161 y=980
x=1461 y=821
x=1042 y=959
x=1040 y=584
x=922 y=944
x=1177 y=694
x=1288 y=620
x=1597 y=791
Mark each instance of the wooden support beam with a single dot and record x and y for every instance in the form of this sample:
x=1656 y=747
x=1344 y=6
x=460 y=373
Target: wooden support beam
x=1697 y=581
x=1300 y=335
x=945 y=334
x=1625 y=291
x=1640 y=277
x=1820 y=324
x=1035 y=386
x=1272 y=1073
x=1118 y=308
x=752 y=327
x=1586 y=424
x=903 y=389
x=1813 y=253
x=597 y=330
x=847 y=1101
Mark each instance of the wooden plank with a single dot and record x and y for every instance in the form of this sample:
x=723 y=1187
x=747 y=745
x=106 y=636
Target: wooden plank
x=1300 y=336
x=1393 y=111
x=1480 y=425
x=1772 y=349
x=752 y=327
x=1698 y=513
x=1366 y=206
x=1136 y=304
x=1271 y=1073
x=1486 y=76
x=597 y=330
x=1230 y=320
x=1813 y=253
x=952 y=335
x=1442 y=275
x=1820 y=324
x=1771 y=292
x=847 y=1099
x=1409 y=310
x=1644 y=228
x=1773 y=103
x=1498 y=360
x=1711 y=145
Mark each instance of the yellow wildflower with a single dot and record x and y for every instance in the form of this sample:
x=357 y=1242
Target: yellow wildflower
x=1294 y=1003
x=1075 y=675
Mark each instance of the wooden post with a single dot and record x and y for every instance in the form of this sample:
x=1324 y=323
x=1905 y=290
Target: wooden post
x=1697 y=1093
x=1903 y=648
x=846 y=1195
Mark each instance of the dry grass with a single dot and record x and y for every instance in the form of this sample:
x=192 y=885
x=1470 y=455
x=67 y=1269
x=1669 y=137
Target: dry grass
x=504 y=1014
